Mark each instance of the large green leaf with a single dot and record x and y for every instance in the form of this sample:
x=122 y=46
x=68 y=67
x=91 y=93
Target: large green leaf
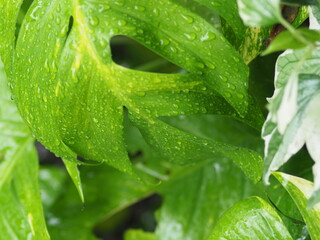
x=74 y=94
x=20 y=203
x=300 y=191
x=252 y=218
x=193 y=202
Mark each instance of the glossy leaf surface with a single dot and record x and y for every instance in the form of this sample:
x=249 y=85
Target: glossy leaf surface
x=68 y=218
x=198 y=199
x=259 y=12
x=252 y=218
x=286 y=40
x=301 y=190
x=293 y=112
x=75 y=84
x=20 y=203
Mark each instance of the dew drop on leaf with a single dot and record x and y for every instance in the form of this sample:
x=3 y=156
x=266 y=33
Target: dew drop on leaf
x=189 y=19
x=208 y=36
x=94 y=21
x=190 y=36
x=139 y=8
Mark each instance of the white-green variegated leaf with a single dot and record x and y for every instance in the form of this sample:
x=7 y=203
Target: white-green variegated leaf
x=294 y=111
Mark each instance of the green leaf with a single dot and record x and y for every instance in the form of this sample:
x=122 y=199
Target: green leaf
x=74 y=173
x=194 y=201
x=107 y=192
x=300 y=190
x=75 y=85
x=252 y=218
x=286 y=40
x=229 y=11
x=139 y=235
x=51 y=180
x=260 y=12
x=20 y=203
x=185 y=148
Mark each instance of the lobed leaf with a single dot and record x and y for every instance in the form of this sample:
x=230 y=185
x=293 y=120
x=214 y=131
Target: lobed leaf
x=74 y=97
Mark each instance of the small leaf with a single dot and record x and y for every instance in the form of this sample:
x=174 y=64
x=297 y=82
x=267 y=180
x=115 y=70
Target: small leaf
x=300 y=190
x=260 y=12
x=286 y=40
x=252 y=218
x=74 y=173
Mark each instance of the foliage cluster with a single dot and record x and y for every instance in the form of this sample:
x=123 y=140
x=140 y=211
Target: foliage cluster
x=183 y=117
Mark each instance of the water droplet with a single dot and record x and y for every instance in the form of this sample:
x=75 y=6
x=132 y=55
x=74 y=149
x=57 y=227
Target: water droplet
x=155 y=12
x=236 y=59
x=46 y=65
x=54 y=66
x=240 y=95
x=58 y=20
x=208 y=36
x=139 y=8
x=211 y=66
x=223 y=39
x=203 y=110
x=228 y=95
x=200 y=65
x=140 y=31
x=189 y=19
x=190 y=36
x=198 y=29
x=223 y=78
x=103 y=8
x=95 y=120
x=94 y=21
x=34 y=15
x=164 y=42
x=119 y=3
x=103 y=42
x=122 y=23
x=231 y=86
x=141 y=94
x=64 y=31
x=172 y=49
